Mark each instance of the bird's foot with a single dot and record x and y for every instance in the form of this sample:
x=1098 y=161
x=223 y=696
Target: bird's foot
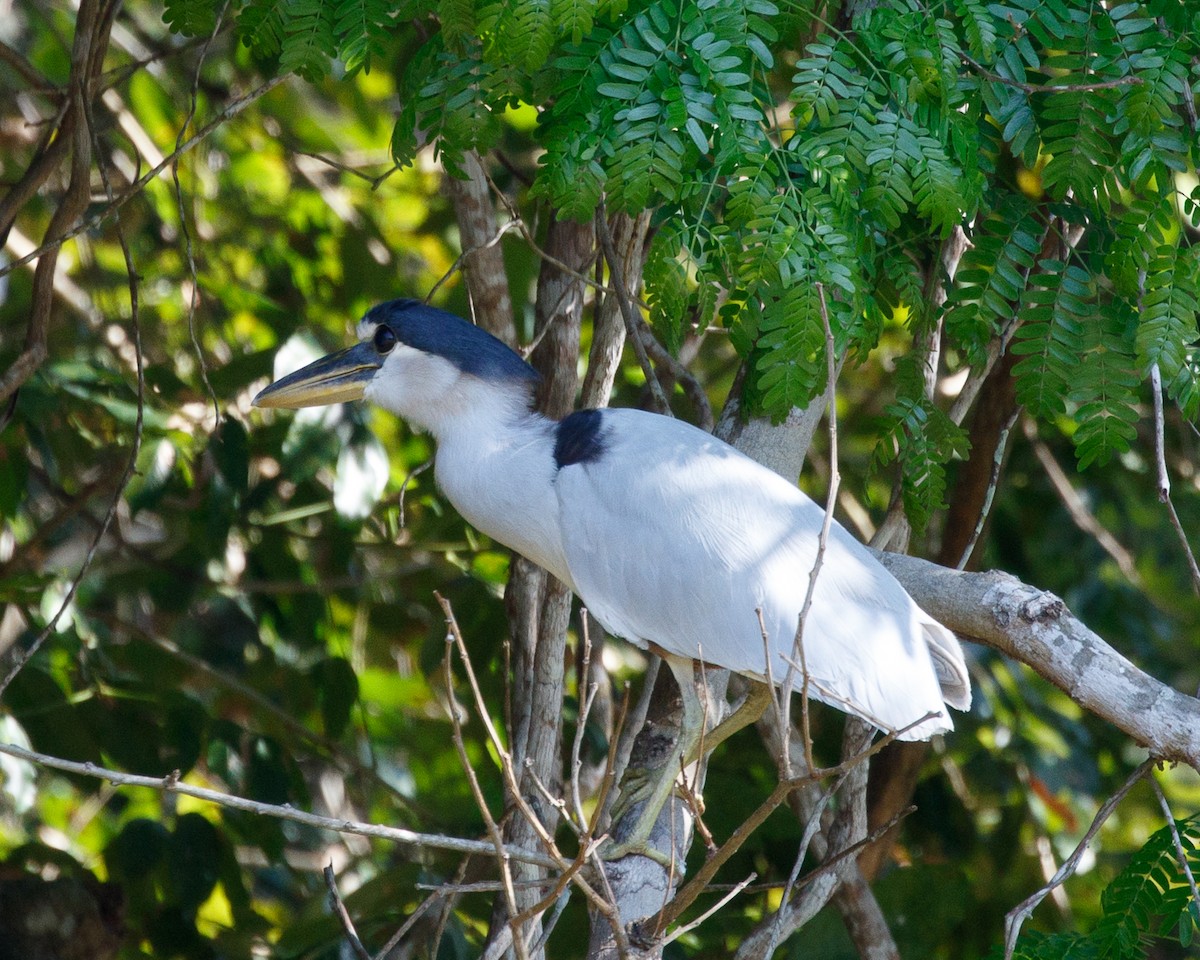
x=638 y=848
x=651 y=790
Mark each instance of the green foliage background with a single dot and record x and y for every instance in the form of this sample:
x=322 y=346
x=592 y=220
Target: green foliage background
x=236 y=626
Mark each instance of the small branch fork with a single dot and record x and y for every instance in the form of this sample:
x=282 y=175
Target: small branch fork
x=570 y=869
x=783 y=789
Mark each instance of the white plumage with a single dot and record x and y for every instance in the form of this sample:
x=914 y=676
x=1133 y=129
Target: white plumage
x=668 y=535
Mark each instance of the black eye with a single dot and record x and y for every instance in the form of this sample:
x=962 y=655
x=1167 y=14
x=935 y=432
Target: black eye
x=384 y=338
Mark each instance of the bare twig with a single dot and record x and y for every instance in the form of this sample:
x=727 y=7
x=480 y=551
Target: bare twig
x=447 y=909
x=699 y=881
x=228 y=112
x=1164 y=481
x=462 y=257
x=626 y=736
x=29 y=73
x=586 y=695
x=172 y=784
x=1018 y=915
x=194 y=289
x=692 y=388
x=1180 y=856
x=798 y=656
x=693 y=924
x=1077 y=509
x=339 y=908
x=993 y=482
x=481 y=805
x=408 y=479
x=506 y=764
x=411 y=922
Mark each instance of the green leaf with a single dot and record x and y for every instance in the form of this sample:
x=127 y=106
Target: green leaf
x=337 y=691
x=193 y=860
x=1051 y=338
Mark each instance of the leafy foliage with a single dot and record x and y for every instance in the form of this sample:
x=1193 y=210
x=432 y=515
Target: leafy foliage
x=923 y=440
x=1150 y=898
x=668 y=103
x=806 y=166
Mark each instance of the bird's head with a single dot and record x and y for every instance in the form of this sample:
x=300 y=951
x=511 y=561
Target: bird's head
x=412 y=359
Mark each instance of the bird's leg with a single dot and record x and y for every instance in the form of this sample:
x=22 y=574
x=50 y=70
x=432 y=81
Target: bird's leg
x=653 y=788
x=752 y=706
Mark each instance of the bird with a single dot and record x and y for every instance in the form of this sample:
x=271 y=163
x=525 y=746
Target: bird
x=673 y=539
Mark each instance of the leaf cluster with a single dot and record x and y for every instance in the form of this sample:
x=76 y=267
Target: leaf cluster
x=1150 y=899
x=1050 y=131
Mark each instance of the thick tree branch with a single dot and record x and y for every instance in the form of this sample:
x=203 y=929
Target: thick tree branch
x=487 y=279
x=617 y=265
x=1036 y=628
x=538 y=605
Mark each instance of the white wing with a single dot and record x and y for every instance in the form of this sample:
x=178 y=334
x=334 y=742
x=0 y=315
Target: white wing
x=675 y=538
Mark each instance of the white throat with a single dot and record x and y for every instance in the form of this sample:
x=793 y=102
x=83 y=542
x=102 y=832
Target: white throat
x=495 y=458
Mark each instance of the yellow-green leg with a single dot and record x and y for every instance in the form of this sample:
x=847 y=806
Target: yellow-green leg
x=655 y=787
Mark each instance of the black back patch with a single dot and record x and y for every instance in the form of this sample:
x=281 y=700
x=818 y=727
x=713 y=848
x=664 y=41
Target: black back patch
x=579 y=438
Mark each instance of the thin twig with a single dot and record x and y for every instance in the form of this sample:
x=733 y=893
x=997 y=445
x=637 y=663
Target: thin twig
x=822 y=542
x=339 y=908
x=447 y=909
x=458 y=262
x=626 y=736
x=1184 y=864
x=1048 y=87
x=1164 y=480
x=586 y=699
x=1018 y=914
x=194 y=291
x=484 y=886
x=172 y=784
x=699 y=882
x=481 y=805
x=1077 y=509
x=231 y=110
x=506 y=764
x=548 y=926
x=411 y=921
x=990 y=493
x=693 y=924
x=31 y=74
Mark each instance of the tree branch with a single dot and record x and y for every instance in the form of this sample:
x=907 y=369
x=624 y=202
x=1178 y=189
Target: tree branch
x=624 y=300
x=172 y=784
x=487 y=279
x=1036 y=628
